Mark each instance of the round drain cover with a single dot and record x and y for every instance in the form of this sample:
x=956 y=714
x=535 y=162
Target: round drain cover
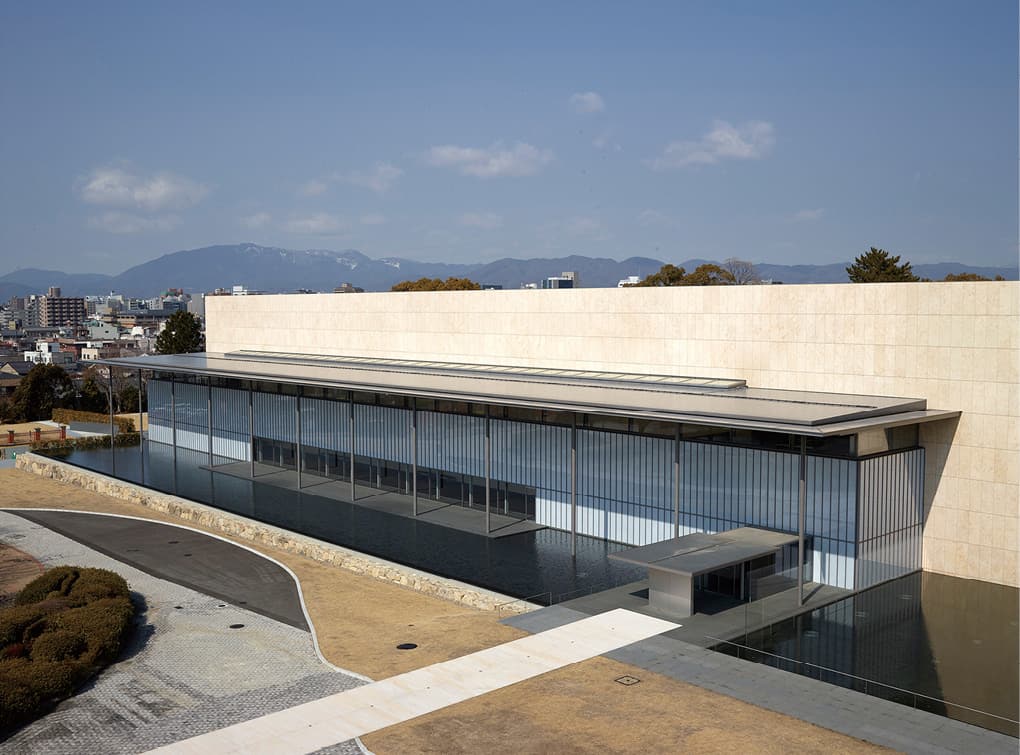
x=406 y=646
x=172 y=542
x=237 y=626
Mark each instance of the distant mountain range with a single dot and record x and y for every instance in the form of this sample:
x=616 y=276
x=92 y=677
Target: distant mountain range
x=274 y=270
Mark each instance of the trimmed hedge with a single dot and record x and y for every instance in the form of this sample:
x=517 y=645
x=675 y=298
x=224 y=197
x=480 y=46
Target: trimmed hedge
x=64 y=627
x=66 y=446
x=67 y=416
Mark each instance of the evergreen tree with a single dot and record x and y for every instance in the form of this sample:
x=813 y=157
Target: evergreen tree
x=878 y=266
x=45 y=388
x=437 y=284
x=704 y=275
x=181 y=335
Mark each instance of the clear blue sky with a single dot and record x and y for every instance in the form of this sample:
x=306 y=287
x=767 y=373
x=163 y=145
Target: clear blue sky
x=781 y=132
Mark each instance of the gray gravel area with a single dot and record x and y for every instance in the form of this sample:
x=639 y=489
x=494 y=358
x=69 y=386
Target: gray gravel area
x=185 y=673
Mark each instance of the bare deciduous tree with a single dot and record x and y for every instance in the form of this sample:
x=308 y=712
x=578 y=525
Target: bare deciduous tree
x=743 y=272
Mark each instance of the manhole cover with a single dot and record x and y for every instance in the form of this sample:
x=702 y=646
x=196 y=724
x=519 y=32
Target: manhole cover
x=178 y=607
x=221 y=605
x=172 y=542
x=627 y=681
x=237 y=626
x=406 y=646
x=131 y=550
x=187 y=555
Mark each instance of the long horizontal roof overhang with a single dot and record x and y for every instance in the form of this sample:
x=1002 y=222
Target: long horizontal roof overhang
x=692 y=400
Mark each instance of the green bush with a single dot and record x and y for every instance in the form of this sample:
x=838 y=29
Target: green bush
x=64 y=627
x=67 y=416
x=14 y=620
x=91 y=443
x=58 y=645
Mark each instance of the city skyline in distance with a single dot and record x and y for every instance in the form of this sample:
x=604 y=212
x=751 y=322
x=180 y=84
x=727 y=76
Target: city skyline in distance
x=790 y=134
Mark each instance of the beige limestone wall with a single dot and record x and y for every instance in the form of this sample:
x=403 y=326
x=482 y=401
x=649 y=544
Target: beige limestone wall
x=955 y=344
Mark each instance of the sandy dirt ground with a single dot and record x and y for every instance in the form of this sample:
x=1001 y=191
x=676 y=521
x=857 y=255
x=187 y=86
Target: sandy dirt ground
x=17 y=569
x=578 y=709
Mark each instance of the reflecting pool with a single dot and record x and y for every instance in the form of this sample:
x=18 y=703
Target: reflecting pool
x=942 y=644
x=535 y=565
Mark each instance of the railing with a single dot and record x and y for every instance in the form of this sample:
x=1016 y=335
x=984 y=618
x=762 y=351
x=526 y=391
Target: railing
x=871 y=687
x=13 y=438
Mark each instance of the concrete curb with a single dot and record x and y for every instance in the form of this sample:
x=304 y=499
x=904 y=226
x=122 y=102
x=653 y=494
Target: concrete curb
x=253 y=531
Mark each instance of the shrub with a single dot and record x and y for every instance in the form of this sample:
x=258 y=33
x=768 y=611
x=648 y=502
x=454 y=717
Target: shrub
x=91 y=443
x=53 y=581
x=58 y=645
x=14 y=620
x=67 y=416
x=78 y=585
x=104 y=623
x=64 y=626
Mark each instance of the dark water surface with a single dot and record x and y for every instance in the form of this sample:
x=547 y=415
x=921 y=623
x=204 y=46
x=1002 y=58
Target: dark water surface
x=536 y=565
x=942 y=644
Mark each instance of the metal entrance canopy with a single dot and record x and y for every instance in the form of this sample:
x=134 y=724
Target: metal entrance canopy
x=673 y=564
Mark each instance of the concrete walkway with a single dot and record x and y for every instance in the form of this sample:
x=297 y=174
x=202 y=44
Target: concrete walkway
x=186 y=671
x=309 y=727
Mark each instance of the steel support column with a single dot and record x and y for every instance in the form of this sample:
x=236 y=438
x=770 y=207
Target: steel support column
x=113 y=454
x=801 y=506
x=676 y=483
x=297 y=434
x=251 y=428
x=173 y=425
x=414 y=457
x=488 y=472
x=573 y=485
x=208 y=417
x=141 y=443
x=350 y=428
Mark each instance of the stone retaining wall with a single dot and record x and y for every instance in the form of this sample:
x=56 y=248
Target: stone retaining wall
x=252 y=531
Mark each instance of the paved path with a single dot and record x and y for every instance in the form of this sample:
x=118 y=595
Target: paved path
x=187 y=557
x=311 y=726
x=186 y=672
x=869 y=718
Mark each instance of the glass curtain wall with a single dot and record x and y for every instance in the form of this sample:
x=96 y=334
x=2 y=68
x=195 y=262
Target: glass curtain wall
x=625 y=469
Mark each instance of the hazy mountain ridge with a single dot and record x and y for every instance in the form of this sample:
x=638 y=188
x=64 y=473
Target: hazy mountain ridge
x=274 y=269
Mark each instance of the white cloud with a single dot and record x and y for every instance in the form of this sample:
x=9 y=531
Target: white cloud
x=806 y=215
x=119 y=222
x=118 y=187
x=258 y=220
x=649 y=218
x=373 y=218
x=379 y=178
x=486 y=220
x=493 y=162
x=586 y=227
x=748 y=141
x=313 y=188
x=587 y=102
x=319 y=224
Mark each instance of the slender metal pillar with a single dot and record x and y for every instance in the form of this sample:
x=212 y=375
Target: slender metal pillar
x=573 y=485
x=173 y=424
x=141 y=442
x=676 y=483
x=801 y=505
x=488 y=473
x=414 y=458
x=350 y=427
x=297 y=434
x=251 y=428
x=208 y=412
x=113 y=454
